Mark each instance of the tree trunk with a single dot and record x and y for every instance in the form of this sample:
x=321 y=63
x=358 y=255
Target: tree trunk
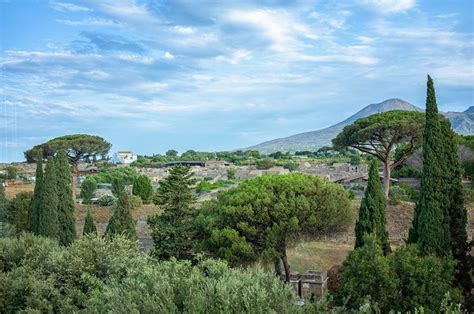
x=284 y=259
x=74 y=178
x=386 y=178
x=277 y=268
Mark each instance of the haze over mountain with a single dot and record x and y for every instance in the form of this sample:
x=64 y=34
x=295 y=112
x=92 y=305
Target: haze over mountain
x=462 y=123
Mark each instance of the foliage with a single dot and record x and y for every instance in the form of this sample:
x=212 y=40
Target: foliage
x=291 y=166
x=66 y=220
x=142 y=187
x=3 y=205
x=89 y=225
x=264 y=164
x=372 y=218
x=406 y=171
x=402 y=281
x=106 y=200
x=12 y=172
x=206 y=186
x=380 y=134
x=36 y=200
x=122 y=221
x=172 y=231
x=111 y=275
x=258 y=218
x=48 y=207
x=231 y=173
x=77 y=147
x=135 y=201
x=88 y=189
x=18 y=209
x=118 y=186
x=126 y=175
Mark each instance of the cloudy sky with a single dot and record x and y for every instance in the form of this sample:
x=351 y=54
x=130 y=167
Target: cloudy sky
x=217 y=75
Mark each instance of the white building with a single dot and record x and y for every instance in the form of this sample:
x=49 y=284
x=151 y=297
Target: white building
x=124 y=157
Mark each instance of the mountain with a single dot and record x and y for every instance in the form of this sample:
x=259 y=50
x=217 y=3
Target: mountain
x=462 y=122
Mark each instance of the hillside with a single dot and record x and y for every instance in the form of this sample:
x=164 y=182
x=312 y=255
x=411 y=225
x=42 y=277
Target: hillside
x=463 y=123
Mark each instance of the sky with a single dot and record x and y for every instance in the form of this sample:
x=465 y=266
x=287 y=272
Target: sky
x=149 y=76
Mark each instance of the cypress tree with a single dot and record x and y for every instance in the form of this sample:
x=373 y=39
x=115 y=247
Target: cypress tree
x=66 y=220
x=33 y=211
x=372 y=218
x=143 y=188
x=48 y=206
x=3 y=205
x=89 y=225
x=430 y=227
x=122 y=221
x=455 y=207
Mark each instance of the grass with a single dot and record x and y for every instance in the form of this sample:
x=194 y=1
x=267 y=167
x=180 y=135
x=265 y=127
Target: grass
x=317 y=255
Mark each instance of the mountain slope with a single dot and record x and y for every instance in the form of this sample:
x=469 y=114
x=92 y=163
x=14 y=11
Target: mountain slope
x=463 y=123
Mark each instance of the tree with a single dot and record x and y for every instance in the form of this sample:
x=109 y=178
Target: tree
x=430 y=227
x=48 y=207
x=88 y=188
x=89 y=225
x=122 y=221
x=261 y=217
x=77 y=147
x=143 y=188
x=291 y=166
x=11 y=173
x=264 y=164
x=172 y=231
x=66 y=220
x=118 y=186
x=18 y=209
x=3 y=205
x=372 y=218
x=231 y=173
x=380 y=134
x=172 y=153
x=34 y=210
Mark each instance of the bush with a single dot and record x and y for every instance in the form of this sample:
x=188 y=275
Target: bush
x=231 y=173
x=291 y=166
x=106 y=200
x=111 y=276
x=142 y=187
x=135 y=201
x=406 y=171
x=18 y=211
x=264 y=164
x=126 y=175
x=397 y=194
x=88 y=188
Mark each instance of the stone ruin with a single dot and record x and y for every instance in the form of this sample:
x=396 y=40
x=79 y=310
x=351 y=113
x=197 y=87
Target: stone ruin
x=310 y=285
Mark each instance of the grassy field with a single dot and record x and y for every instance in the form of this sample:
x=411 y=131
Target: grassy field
x=317 y=255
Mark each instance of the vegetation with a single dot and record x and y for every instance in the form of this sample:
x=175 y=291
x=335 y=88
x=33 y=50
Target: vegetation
x=77 y=147
x=18 y=209
x=36 y=201
x=111 y=275
x=380 y=134
x=48 y=207
x=127 y=175
x=66 y=220
x=118 y=186
x=258 y=218
x=372 y=218
x=264 y=164
x=89 y=225
x=122 y=221
x=88 y=189
x=231 y=173
x=142 y=187
x=12 y=172
x=3 y=205
x=402 y=281
x=205 y=186
x=172 y=230
x=106 y=200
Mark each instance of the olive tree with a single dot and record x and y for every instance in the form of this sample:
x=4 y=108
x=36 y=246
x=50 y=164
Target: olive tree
x=381 y=134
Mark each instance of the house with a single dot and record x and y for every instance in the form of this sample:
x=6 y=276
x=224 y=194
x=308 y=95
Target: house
x=124 y=157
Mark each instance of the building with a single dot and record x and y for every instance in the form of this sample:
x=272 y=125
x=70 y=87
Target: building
x=124 y=157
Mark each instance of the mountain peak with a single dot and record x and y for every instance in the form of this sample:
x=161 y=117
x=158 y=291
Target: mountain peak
x=469 y=110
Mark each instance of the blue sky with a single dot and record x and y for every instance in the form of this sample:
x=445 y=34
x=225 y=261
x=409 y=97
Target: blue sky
x=219 y=75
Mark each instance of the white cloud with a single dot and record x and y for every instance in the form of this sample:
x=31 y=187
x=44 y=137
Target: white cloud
x=277 y=26
x=136 y=58
x=63 y=6
x=90 y=21
x=391 y=6
x=168 y=55
x=184 y=30
x=236 y=57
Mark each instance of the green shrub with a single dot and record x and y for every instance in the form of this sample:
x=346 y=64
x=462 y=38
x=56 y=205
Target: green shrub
x=135 y=201
x=88 y=188
x=231 y=173
x=18 y=211
x=397 y=194
x=406 y=171
x=291 y=166
x=125 y=174
x=264 y=164
x=106 y=200
x=143 y=188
